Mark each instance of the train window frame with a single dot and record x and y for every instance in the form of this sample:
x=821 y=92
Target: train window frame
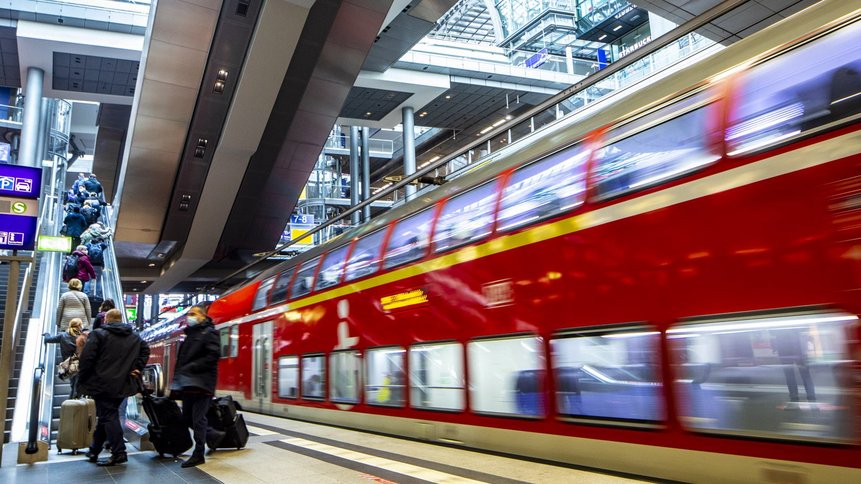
x=234 y=341
x=287 y=276
x=411 y=380
x=323 y=385
x=386 y=257
x=314 y=264
x=358 y=378
x=322 y=268
x=494 y=185
x=621 y=330
x=224 y=342
x=588 y=151
x=261 y=296
x=734 y=325
x=774 y=60
x=298 y=377
x=704 y=98
x=471 y=372
x=366 y=384
x=379 y=258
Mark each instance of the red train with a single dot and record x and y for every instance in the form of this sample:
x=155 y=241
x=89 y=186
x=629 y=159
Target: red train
x=669 y=288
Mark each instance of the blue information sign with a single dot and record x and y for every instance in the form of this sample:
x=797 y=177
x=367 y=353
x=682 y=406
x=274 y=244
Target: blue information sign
x=20 y=181
x=17 y=233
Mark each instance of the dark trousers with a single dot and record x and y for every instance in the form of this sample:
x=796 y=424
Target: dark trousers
x=194 y=408
x=792 y=383
x=108 y=426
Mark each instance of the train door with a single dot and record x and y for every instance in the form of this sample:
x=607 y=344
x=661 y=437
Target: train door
x=261 y=373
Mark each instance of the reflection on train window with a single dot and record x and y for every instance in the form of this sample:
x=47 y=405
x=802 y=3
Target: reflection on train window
x=365 y=258
x=234 y=340
x=467 y=217
x=332 y=268
x=313 y=376
x=344 y=368
x=261 y=297
x=304 y=279
x=667 y=150
x=279 y=289
x=545 y=188
x=409 y=240
x=436 y=376
x=386 y=377
x=507 y=376
x=788 y=376
x=609 y=375
x=804 y=89
x=288 y=377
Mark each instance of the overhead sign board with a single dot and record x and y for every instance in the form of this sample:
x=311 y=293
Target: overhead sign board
x=19 y=206
x=49 y=243
x=17 y=232
x=20 y=181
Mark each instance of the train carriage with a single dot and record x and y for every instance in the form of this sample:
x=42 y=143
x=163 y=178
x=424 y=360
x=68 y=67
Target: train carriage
x=667 y=287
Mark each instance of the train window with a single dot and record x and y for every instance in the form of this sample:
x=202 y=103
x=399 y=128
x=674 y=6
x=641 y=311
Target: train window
x=385 y=377
x=805 y=89
x=436 y=376
x=506 y=376
x=288 y=377
x=605 y=374
x=304 y=278
x=234 y=341
x=409 y=240
x=666 y=150
x=261 y=297
x=225 y=342
x=466 y=217
x=544 y=188
x=365 y=258
x=786 y=376
x=313 y=376
x=279 y=289
x=332 y=268
x=344 y=368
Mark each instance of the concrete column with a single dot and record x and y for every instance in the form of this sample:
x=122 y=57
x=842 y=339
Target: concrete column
x=44 y=131
x=28 y=153
x=409 y=134
x=354 y=172
x=366 y=174
x=569 y=59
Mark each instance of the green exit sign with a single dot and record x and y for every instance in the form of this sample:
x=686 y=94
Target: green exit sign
x=49 y=243
x=132 y=314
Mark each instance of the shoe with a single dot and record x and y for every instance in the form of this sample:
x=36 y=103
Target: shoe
x=194 y=460
x=113 y=460
x=92 y=456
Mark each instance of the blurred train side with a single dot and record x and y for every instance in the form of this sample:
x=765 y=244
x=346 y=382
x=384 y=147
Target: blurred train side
x=712 y=243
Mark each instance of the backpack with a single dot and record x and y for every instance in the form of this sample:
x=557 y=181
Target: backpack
x=96 y=252
x=70 y=267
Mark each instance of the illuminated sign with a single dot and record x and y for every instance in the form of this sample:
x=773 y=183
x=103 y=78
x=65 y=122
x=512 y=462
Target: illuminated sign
x=132 y=314
x=409 y=298
x=17 y=232
x=20 y=181
x=636 y=45
x=49 y=243
x=19 y=206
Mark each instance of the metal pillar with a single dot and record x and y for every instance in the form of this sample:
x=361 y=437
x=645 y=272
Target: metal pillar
x=44 y=131
x=28 y=153
x=354 y=171
x=366 y=174
x=409 y=133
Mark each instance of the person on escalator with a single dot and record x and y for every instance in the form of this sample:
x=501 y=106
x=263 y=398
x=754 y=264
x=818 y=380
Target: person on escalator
x=74 y=225
x=195 y=376
x=68 y=347
x=106 y=306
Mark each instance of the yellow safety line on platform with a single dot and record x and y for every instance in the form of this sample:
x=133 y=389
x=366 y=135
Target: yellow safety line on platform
x=380 y=462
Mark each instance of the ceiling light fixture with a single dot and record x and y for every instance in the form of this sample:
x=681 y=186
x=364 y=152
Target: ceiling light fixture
x=486 y=130
x=151 y=264
x=602 y=37
x=617 y=28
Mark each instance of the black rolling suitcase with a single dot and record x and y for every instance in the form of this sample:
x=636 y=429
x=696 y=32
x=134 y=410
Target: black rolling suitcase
x=227 y=429
x=168 y=431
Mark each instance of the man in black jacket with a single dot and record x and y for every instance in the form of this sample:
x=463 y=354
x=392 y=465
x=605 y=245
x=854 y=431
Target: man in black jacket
x=110 y=365
x=195 y=376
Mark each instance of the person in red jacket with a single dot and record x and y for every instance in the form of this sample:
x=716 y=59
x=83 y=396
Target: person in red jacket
x=86 y=272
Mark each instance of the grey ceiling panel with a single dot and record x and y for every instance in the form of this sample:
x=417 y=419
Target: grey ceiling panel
x=378 y=102
x=93 y=74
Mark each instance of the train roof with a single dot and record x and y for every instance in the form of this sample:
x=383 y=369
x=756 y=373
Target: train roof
x=700 y=73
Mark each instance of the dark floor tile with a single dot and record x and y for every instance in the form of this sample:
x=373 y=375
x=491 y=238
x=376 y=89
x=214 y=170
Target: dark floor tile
x=144 y=478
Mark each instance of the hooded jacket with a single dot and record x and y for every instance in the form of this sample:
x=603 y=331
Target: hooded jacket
x=110 y=355
x=75 y=224
x=85 y=267
x=197 y=361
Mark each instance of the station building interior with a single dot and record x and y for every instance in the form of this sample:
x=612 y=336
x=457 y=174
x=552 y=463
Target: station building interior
x=231 y=137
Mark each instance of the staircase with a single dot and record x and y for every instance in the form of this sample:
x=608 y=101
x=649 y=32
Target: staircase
x=19 y=349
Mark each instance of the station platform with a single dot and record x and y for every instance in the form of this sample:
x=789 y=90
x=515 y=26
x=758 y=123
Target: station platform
x=282 y=450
